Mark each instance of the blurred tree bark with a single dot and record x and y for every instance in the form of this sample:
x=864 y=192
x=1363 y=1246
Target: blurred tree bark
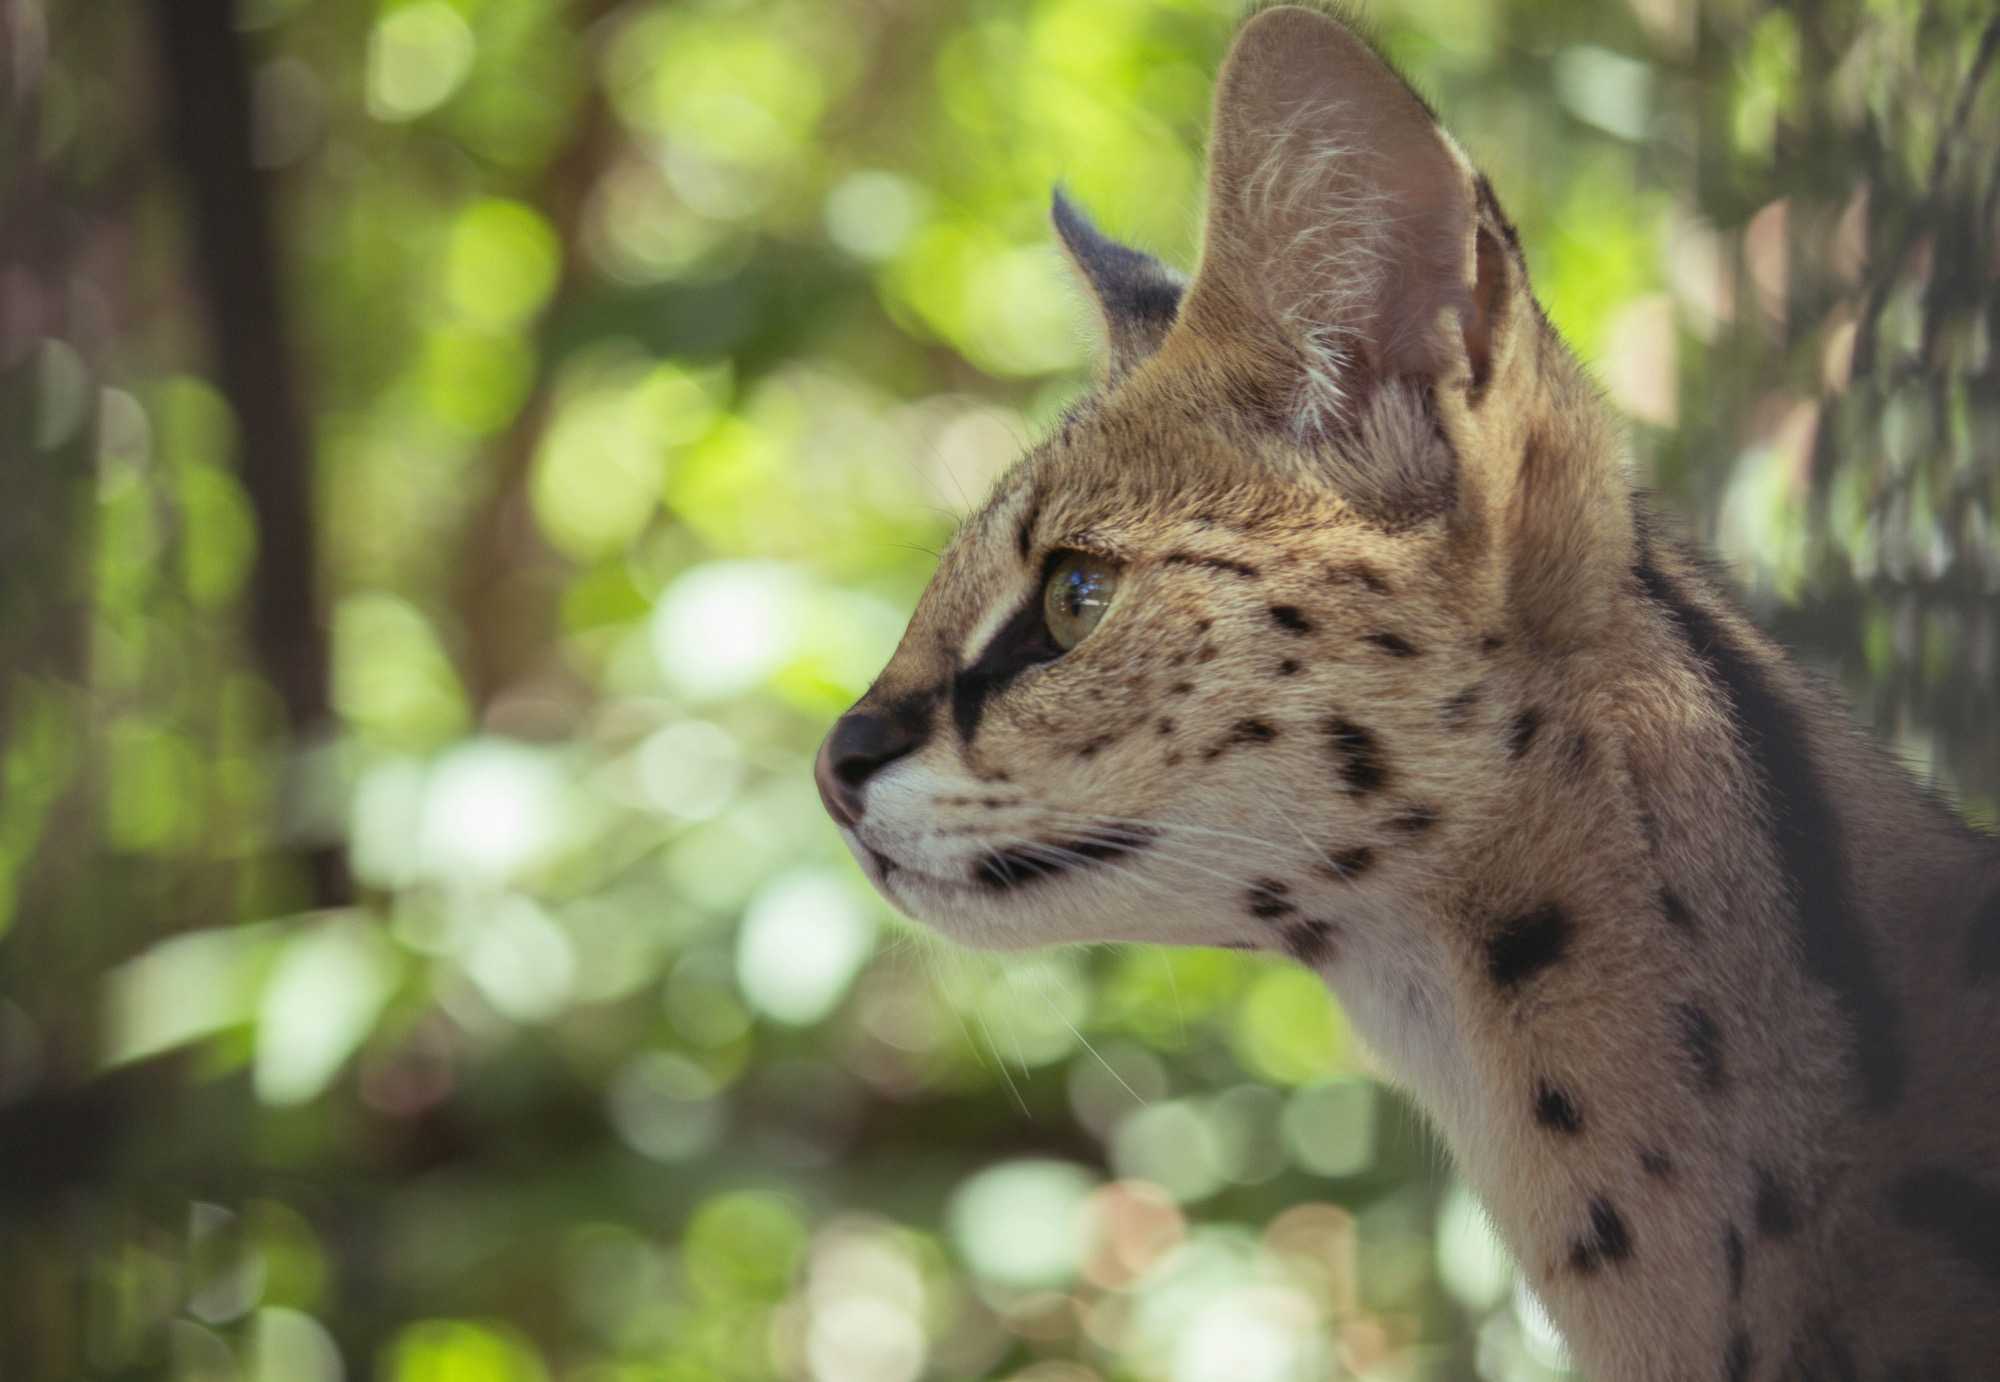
x=1866 y=311
x=209 y=129
x=509 y=586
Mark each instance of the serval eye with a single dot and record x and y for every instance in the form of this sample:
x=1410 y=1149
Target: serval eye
x=1078 y=591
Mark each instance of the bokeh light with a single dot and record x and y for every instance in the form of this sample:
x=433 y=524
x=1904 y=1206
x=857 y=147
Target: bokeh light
x=423 y=954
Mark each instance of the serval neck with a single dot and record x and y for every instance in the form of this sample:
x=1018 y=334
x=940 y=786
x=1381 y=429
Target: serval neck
x=1685 y=1003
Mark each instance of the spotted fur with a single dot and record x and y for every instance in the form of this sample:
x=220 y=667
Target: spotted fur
x=1403 y=679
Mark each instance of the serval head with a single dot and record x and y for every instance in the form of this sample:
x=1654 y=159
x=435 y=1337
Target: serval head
x=1207 y=666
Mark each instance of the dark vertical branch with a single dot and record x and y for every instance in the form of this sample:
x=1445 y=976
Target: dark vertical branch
x=207 y=91
x=509 y=576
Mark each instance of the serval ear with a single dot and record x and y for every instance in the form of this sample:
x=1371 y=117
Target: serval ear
x=1343 y=245
x=1137 y=296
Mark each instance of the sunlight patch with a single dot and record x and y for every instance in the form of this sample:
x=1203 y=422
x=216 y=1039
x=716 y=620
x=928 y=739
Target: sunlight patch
x=803 y=939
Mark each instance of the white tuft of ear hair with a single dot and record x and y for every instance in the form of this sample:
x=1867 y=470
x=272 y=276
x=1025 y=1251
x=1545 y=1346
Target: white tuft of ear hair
x=1340 y=219
x=1312 y=179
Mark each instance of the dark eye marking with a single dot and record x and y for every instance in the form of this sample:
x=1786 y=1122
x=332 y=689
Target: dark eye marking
x=1224 y=564
x=1024 y=540
x=1291 y=619
x=1022 y=642
x=1392 y=644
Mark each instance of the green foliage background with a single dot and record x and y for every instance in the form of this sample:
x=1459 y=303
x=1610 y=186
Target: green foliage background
x=448 y=975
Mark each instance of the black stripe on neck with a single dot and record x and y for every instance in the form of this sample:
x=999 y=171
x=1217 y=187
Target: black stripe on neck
x=1805 y=836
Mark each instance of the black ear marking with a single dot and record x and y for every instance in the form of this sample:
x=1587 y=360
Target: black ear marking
x=1137 y=296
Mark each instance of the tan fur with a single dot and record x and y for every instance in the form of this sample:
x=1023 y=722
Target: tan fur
x=1476 y=512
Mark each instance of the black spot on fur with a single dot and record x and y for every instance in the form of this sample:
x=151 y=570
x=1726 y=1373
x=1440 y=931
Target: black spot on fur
x=1555 y=1110
x=1417 y=820
x=1608 y=1240
x=1362 y=766
x=1675 y=910
x=1359 y=573
x=1820 y=1352
x=1459 y=708
x=1180 y=688
x=1656 y=1163
x=1579 y=751
x=1526 y=724
x=1241 y=733
x=1701 y=1038
x=1736 y=1359
x=1289 y=667
x=1524 y=946
x=1733 y=1260
x=1166 y=725
x=1777 y=1212
x=1234 y=568
x=1090 y=749
x=1955 y=1209
x=1291 y=619
x=1270 y=897
x=1309 y=941
x=1982 y=951
x=1805 y=834
x=1392 y=644
x=1348 y=864
x=1018 y=865
x=1492 y=643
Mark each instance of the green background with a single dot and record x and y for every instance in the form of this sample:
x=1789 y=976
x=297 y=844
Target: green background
x=422 y=953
